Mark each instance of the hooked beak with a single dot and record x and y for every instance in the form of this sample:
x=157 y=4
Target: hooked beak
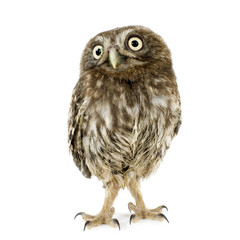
x=114 y=56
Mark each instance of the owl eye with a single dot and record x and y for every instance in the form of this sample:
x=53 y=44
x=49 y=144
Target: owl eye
x=97 y=51
x=135 y=43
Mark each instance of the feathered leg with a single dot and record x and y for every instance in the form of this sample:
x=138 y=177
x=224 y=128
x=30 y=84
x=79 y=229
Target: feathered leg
x=105 y=215
x=140 y=210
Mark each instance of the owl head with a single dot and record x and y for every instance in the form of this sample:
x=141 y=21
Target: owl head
x=132 y=49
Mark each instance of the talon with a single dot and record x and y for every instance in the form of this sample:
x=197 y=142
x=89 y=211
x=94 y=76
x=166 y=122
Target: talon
x=132 y=216
x=87 y=222
x=117 y=222
x=163 y=216
x=80 y=213
x=163 y=206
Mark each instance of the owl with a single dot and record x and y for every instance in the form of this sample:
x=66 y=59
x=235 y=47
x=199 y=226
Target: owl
x=125 y=110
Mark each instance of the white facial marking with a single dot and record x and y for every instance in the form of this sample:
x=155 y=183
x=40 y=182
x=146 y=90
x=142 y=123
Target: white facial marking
x=120 y=40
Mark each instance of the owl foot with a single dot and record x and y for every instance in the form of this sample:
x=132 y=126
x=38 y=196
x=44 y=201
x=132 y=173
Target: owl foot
x=101 y=218
x=144 y=213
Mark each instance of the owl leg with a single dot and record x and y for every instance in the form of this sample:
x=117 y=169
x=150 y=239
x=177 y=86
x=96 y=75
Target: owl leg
x=140 y=210
x=106 y=214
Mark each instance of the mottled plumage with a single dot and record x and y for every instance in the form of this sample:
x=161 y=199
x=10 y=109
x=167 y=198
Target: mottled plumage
x=125 y=110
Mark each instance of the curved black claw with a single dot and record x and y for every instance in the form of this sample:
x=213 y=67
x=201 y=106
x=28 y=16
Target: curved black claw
x=132 y=216
x=86 y=223
x=80 y=213
x=163 y=206
x=163 y=216
x=117 y=222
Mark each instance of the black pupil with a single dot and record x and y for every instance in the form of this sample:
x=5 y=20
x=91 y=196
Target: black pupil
x=134 y=43
x=98 y=52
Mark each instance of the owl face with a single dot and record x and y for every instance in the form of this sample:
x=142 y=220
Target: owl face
x=125 y=49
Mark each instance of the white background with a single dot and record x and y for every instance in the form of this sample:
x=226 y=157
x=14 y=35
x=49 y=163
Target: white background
x=41 y=189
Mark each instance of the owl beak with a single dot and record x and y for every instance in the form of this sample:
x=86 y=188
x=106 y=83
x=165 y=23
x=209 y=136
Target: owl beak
x=114 y=56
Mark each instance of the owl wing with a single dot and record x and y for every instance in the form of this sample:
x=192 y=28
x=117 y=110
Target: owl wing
x=179 y=122
x=75 y=131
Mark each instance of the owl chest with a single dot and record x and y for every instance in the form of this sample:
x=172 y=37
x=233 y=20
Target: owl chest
x=128 y=130
x=125 y=114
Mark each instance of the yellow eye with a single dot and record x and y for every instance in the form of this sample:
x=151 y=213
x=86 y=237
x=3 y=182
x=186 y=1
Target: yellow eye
x=97 y=51
x=135 y=43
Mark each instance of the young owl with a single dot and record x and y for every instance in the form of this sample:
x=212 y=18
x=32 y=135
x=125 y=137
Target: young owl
x=124 y=113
